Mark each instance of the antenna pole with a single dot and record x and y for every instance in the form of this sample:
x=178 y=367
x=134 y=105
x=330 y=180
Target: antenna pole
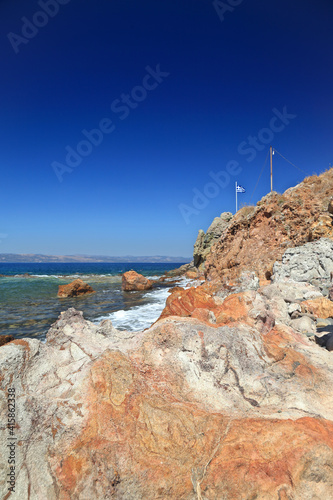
x=271 y=155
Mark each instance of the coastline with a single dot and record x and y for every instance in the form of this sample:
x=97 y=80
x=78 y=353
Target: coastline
x=30 y=304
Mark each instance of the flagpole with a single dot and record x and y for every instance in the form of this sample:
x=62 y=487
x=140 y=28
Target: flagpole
x=236 y=195
x=271 y=154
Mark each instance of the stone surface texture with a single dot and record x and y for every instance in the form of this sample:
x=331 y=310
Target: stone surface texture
x=205 y=241
x=132 y=281
x=307 y=262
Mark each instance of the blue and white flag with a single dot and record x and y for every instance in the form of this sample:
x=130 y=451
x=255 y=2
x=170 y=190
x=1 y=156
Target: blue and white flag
x=240 y=189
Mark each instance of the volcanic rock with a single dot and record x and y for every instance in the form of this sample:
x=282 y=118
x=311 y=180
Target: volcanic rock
x=74 y=289
x=132 y=281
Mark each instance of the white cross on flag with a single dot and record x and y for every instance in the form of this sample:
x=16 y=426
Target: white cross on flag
x=240 y=189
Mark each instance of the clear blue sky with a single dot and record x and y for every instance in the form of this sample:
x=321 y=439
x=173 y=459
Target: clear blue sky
x=222 y=74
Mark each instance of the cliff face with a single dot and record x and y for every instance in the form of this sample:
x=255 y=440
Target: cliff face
x=258 y=236
x=205 y=241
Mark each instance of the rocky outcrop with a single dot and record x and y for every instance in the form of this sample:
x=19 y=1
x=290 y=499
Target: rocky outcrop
x=185 y=409
x=308 y=262
x=320 y=307
x=74 y=289
x=259 y=236
x=184 y=302
x=192 y=275
x=132 y=281
x=205 y=241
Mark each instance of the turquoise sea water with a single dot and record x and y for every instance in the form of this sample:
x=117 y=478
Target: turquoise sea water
x=29 y=304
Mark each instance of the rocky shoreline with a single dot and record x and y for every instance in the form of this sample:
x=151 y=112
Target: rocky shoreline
x=226 y=396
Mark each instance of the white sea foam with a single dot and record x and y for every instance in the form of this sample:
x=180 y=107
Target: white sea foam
x=45 y=276
x=138 y=318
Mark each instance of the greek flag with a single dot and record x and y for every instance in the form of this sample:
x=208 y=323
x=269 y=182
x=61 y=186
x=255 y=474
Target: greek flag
x=240 y=189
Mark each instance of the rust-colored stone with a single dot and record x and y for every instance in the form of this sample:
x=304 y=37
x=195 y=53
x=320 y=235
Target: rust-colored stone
x=234 y=308
x=135 y=438
x=74 y=289
x=183 y=302
x=132 y=281
x=320 y=307
x=192 y=275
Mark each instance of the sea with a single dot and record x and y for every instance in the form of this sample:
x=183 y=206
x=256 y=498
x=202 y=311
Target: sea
x=29 y=304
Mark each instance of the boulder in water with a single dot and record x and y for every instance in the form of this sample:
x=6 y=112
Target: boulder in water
x=133 y=281
x=74 y=289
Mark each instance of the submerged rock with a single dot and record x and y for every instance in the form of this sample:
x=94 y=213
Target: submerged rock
x=74 y=289
x=132 y=281
x=4 y=339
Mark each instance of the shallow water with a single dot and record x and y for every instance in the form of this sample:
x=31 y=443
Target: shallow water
x=29 y=305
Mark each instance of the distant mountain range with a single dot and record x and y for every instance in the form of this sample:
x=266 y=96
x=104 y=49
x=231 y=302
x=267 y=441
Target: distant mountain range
x=13 y=258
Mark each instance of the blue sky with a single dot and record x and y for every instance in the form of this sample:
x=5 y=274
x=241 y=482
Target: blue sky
x=196 y=83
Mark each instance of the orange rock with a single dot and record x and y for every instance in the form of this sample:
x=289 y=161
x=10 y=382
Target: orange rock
x=132 y=281
x=198 y=303
x=135 y=438
x=278 y=342
x=191 y=275
x=74 y=289
x=234 y=308
x=183 y=302
x=264 y=282
x=175 y=289
x=203 y=315
x=320 y=307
